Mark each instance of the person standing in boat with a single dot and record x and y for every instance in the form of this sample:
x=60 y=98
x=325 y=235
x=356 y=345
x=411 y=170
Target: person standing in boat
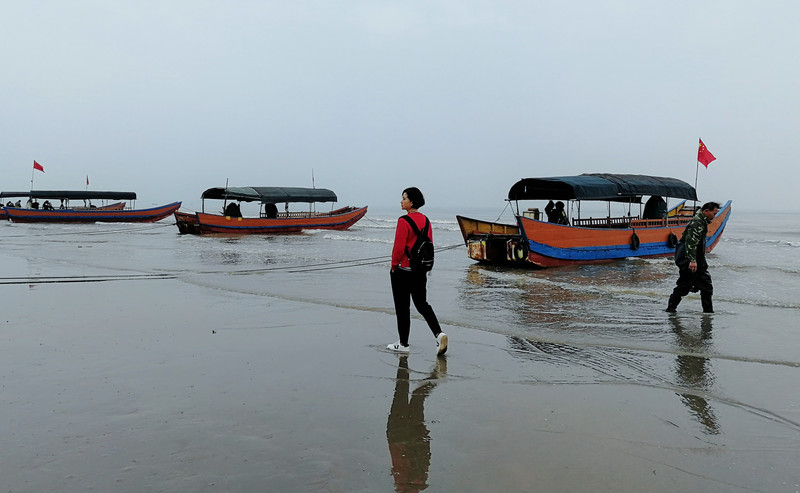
x=690 y=257
x=555 y=213
x=232 y=210
x=407 y=283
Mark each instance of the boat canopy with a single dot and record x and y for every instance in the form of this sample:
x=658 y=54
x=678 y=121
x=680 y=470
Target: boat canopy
x=5 y=195
x=81 y=195
x=600 y=186
x=271 y=195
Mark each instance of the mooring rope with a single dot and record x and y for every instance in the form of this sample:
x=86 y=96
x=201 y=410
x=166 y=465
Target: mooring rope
x=339 y=264
x=149 y=226
x=76 y=279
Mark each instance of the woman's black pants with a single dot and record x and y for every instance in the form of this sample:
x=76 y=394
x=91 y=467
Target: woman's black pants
x=405 y=285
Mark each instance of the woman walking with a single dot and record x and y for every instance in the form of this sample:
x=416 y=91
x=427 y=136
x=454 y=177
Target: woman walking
x=408 y=285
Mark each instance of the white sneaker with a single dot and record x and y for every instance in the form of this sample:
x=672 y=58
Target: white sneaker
x=397 y=347
x=441 y=343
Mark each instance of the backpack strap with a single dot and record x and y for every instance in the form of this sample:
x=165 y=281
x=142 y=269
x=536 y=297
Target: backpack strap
x=412 y=224
x=415 y=228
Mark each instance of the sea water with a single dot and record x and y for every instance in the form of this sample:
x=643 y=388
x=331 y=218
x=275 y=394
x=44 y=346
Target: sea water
x=618 y=304
x=591 y=324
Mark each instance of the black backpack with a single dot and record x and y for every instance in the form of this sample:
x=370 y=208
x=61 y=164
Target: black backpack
x=421 y=254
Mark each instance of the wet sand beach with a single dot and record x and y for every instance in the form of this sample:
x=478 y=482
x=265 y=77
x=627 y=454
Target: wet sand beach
x=166 y=386
x=134 y=359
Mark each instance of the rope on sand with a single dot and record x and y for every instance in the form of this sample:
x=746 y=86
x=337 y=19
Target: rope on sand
x=341 y=264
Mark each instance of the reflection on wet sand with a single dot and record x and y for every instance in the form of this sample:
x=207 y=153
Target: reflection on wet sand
x=694 y=372
x=595 y=300
x=406 y=433
x=598 y=318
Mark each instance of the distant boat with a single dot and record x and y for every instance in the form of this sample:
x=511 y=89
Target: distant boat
x=535 y=242
x=269 y=220
x=86 y=212
x=4 y=201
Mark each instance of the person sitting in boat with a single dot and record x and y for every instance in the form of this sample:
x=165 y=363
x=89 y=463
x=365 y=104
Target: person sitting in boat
x=35 y=204
x=47 y=205
x=29 y=204
x=270 y=210
x=10 y=204
x=555 y=213
x=655 y=208
x=233 y=210
x=18 y=204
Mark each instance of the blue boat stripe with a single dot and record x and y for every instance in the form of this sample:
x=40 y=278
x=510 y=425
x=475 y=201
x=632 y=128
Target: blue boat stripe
x=282 y=226
x=616 y=251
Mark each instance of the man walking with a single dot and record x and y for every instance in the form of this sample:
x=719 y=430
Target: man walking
x=690 y=257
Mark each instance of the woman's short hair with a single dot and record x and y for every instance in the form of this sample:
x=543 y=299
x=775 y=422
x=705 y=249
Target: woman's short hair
x=415 y=196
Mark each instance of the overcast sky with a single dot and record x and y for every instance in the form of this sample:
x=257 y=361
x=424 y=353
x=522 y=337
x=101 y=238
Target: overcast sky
x=461 y=98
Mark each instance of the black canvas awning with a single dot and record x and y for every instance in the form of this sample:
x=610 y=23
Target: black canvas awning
x=81 y=195
x=5 y=195
x=272 y=195
x=600 y=186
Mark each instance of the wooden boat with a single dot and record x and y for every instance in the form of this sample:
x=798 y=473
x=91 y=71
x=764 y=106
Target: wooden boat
x=269 y=220
x=6 y=202
x=86 y=212
x=534 y=242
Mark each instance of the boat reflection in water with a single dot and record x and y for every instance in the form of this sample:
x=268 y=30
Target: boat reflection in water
x=406 y=433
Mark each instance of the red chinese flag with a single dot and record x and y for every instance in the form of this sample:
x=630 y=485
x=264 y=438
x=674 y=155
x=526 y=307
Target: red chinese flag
x=38 y=166
x=87 y=180
x=704 y=156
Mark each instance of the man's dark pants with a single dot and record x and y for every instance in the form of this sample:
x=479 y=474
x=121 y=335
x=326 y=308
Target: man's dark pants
x=699 y=280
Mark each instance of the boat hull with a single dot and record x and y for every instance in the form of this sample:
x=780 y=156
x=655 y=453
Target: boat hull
x=542 y=244
x=117 y=215
x=187 y=222
x=202 y=223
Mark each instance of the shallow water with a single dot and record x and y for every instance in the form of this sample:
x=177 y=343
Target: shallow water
x=617 y=305
x=599 y=327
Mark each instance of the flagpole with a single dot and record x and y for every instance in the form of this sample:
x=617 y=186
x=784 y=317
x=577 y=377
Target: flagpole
x=225 y=202
x=696 y=173
x=33 y=171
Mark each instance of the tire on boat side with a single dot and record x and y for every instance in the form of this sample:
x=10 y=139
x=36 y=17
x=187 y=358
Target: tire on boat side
x=672 y=240
x=634 y=241
x=520 y=252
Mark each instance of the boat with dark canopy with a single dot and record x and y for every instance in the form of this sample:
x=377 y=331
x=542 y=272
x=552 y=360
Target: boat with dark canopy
x=111 y=207
x=653 y=231
x=4 y=201
x=269 y=219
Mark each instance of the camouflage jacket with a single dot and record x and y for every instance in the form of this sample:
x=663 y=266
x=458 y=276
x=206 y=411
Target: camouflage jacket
x=694 y=236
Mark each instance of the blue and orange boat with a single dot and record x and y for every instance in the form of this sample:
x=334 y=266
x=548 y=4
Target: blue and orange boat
x=6 y=199
x=652 y=231
x=269 y=220
x=111 y=207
